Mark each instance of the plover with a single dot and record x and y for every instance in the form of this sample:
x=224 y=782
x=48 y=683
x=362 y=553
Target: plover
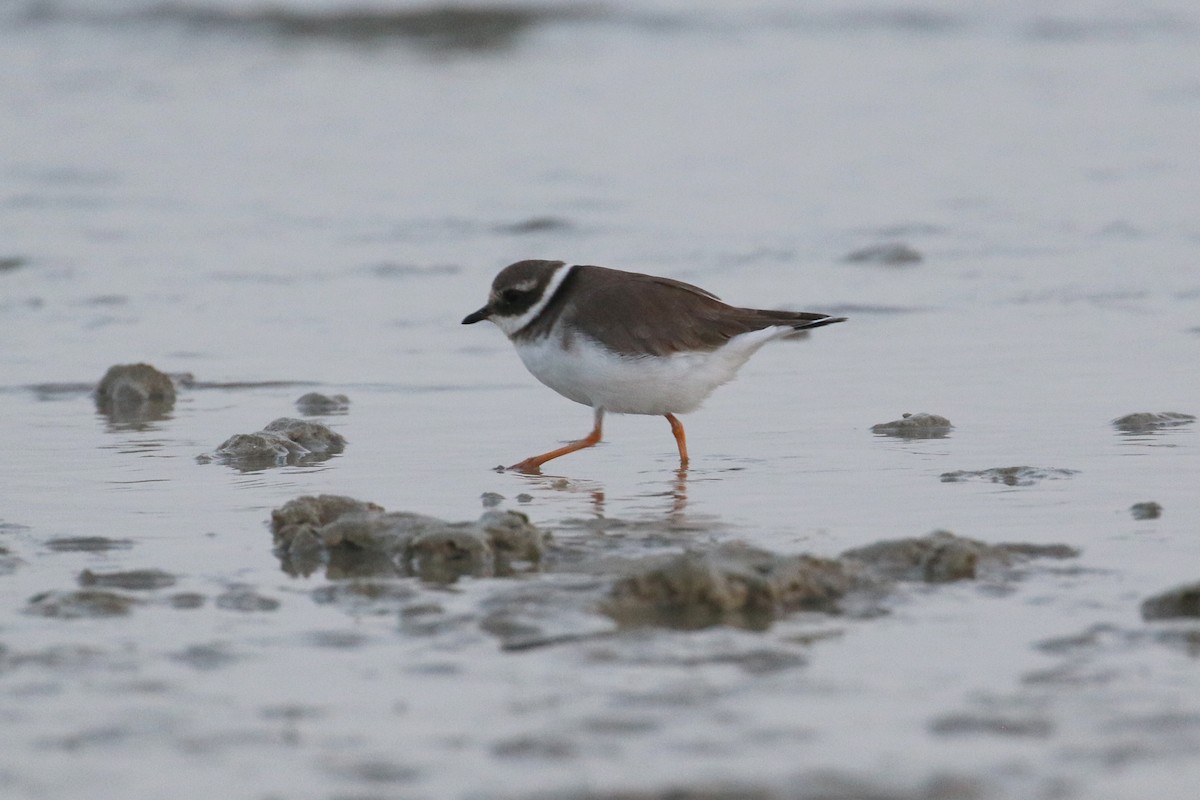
x=627 y=343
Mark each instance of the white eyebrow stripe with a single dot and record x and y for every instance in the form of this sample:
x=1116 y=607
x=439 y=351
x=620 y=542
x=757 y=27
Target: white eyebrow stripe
x=511 y=325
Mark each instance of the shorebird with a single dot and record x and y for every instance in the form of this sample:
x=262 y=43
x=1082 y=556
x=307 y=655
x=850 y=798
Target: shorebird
x=625 y=342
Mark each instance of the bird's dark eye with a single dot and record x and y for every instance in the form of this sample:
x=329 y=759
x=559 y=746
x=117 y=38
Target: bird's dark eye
x=511 y=295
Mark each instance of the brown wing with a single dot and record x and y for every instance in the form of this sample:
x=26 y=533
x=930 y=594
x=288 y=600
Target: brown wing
x=637 y=314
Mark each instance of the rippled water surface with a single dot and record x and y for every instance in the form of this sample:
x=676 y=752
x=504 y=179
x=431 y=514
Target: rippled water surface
x=270 y=199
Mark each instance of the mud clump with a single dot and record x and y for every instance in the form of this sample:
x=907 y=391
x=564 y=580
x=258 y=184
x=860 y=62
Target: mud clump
x=451 y=27
x=8 y=561
x=367 y=549
x=244 y=598
x=915 y=426
x=134 y=384
x=354 y=539
x=283 y=442
x=366 y=595
x=742 y=586
x=967 y=724
x=891 y=254
x=205 y=657
x=750 y=588
x=536 y=225
x=1148 y=510
x=316 y=404
x=135 y=393
x=80 y=604
x=133 y=580
x=186 y=600
x=1146 y=421
x=1009 y=476
x=942 y=557
x=308 y=511
x=312 y=436
x=87 y=544
x=1180 y=602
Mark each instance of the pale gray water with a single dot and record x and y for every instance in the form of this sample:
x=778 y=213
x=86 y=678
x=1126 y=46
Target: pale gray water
x=279 y=209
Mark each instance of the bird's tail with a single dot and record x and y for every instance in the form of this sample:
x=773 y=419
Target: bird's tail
x=798 y=321
x=817 y=321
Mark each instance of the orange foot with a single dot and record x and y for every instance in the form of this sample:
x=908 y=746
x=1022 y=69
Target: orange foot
x=530 y=466
x=533 y=464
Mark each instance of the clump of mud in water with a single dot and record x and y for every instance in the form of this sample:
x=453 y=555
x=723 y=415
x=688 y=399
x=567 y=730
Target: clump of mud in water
x=751 y=588
x=890 y=254
x=1182 y=601
x=366 y=595
x=8 y=561
x=440 y=27
x=739 y=586
x=132 y=580
x=244 y=598
x=352 y=538
x=942 y=557
x=87 y=544
x=536 y=225
x=729 y=584
x=1147 y=510
x=79 y=604
x=130 y=393
x=1009 y=476
x=316 y=404
x=1147 y=421
x=915 y=426
x=283 y=442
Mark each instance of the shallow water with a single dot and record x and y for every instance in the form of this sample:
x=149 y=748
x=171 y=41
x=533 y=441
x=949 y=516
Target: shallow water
x=284 y=208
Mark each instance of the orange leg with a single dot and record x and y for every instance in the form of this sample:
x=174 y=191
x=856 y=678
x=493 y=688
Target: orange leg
x=533 y=464
x=680 y=439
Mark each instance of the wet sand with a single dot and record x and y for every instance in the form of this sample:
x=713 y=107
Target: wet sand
x=943 y=550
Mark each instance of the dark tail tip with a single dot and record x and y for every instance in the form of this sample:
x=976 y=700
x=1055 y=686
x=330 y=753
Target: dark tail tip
x=817 y=323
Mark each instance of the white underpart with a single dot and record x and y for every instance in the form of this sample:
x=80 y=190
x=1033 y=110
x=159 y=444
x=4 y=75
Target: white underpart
x=675 y=384
x=511 y=325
